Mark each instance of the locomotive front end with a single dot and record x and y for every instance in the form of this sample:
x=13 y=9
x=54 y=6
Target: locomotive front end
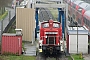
x=50 y=43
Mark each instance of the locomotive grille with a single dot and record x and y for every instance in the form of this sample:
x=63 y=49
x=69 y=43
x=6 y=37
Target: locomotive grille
x=51 y=40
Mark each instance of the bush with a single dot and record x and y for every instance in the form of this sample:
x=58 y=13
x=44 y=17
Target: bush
x=4 y=15
x=77 y=57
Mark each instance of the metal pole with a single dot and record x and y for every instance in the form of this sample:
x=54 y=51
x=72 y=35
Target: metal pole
x=15 y=10
x=1 y=30
x=59 y=14
x=9 y=15
x=18 y=3
x=33 y=37
x=33 y=3
x=66 y=14
x=77 y=38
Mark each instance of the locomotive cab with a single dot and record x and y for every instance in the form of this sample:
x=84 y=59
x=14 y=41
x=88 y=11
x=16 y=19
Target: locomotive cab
x=50 y=43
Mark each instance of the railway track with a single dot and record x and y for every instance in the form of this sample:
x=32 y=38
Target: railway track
x=45 y=14
x=40 y=57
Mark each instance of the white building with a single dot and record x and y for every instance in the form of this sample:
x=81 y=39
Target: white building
x=77 y=40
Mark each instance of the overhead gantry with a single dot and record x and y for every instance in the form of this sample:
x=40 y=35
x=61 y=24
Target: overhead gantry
x=62 y=9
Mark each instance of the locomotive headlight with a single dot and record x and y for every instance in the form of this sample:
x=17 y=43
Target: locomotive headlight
x=40 y=42
x=61 y=42
x=46 y=36
x=58 y=43
x=40 y=45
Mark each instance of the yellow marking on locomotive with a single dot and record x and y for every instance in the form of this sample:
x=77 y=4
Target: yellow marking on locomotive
x=40 y=50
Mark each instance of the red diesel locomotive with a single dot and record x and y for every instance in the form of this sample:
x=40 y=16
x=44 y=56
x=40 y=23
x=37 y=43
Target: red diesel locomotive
x=50 y=43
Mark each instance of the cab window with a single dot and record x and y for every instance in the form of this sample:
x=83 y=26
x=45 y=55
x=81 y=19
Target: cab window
x=55 y=25
x=45 y=25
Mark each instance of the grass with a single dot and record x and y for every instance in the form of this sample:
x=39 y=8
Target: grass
x=23 y=43
x=77 y=57
x=69 y=58
x=17 y=58
x=4 y=15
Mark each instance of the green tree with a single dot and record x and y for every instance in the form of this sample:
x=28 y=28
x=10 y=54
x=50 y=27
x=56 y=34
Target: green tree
x=4 y=3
